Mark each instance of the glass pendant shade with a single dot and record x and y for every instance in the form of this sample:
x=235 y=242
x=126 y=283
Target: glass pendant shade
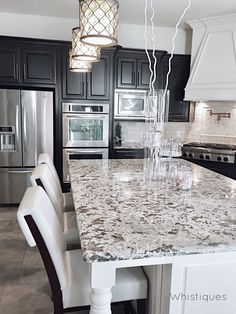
x=99 y=21
x=77 y=65
x=81 y=51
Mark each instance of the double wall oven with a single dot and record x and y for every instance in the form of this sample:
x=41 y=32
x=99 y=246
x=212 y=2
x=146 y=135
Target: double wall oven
x=85 y=132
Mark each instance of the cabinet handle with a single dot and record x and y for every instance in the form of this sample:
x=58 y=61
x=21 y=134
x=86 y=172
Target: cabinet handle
x=138 y=78
x=86 y=87
x=16 y=70
x=24 y=70
x=82 y=88
x=133 y=78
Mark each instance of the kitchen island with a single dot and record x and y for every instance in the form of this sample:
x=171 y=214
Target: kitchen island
x=127 y=221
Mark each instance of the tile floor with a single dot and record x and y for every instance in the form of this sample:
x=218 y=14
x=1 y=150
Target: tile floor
x=24 y=287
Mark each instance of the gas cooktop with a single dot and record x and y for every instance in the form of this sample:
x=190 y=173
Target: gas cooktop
x=211 y=146
x=209 y=152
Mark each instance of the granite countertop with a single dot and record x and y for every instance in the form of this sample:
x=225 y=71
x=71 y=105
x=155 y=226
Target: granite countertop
x=129 y=145
x=120 y=216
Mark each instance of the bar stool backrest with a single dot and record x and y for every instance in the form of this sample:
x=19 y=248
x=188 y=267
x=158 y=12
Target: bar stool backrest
x=38 y=221
x=46 y=159
x=42 y=176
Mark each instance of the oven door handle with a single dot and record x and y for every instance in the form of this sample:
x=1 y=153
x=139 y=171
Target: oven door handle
x=84 y=151
x=86 y=116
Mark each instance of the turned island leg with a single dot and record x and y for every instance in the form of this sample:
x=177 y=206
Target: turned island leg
x=102 y=281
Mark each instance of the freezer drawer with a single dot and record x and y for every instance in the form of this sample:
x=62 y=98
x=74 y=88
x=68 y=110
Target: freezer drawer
x=13 y=183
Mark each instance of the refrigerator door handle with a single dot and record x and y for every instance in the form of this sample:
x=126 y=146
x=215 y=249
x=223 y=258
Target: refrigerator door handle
x=19 y=172
x=17 y=128
x=24 y=131
x=15 y=171
x=29 y=132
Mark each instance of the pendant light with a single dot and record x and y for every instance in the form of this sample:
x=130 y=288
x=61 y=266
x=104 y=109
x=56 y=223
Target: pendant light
x=81 y=51
x=99 y=21
x=77 y=65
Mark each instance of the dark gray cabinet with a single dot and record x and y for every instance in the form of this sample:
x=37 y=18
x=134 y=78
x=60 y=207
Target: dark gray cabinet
x=9 y=63
x=98 y=81
x=126 y=72
x=132 y=73
x=38 y=65
x=74 y=84
x=32 y=65
x=179 y=110
x=125 y=153
x=92 y=86
x=132 y=68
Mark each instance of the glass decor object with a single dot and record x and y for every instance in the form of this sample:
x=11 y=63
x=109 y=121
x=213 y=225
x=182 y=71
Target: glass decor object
x=81 y=51
x=157 y=109
x=151 y=143
x=99 y=21
x=184 y=178
x=77 y=65
x=156 y=114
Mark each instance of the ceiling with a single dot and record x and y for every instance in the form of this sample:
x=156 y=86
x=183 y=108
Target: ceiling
x=131 y=11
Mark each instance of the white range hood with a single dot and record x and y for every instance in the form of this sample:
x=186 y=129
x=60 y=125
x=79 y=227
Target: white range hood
x=213 y=59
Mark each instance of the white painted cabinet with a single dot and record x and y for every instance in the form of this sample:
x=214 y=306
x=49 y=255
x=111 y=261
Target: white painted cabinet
x=193 y=286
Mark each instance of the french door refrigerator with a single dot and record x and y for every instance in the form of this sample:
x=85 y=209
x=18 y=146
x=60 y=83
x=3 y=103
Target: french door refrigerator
x=26 y=130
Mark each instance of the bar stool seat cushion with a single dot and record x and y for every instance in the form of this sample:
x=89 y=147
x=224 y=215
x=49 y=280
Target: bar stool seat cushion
x=68 y=202
x=71 y=231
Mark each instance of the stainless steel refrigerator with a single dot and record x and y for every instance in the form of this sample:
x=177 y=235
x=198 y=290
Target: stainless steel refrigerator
x=26 y=130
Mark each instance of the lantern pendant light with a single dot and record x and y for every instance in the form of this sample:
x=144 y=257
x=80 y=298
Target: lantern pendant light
x=76 y=65
x=81 y=51
x=99 y=21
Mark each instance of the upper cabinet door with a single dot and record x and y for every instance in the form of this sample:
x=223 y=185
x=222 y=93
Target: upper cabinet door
x=74 y=83
x=179 y=109
x=98 y=81
x=143 y=74
x=126 y=72
x=38 y=66
x=9 y=64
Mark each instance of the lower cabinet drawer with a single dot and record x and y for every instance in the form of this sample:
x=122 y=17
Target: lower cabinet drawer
x=128 y=154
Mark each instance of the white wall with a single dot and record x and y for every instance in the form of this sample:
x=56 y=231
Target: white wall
x=204 y=128
x=130 y=36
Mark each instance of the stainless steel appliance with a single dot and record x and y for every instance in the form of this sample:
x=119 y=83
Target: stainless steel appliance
x=217 y=157
x=81 y=153
x=85 y=132
x=85 y=125
x=130 y=104
x=26 y=130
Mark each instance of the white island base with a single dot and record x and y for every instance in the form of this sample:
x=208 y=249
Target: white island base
x=196 y=284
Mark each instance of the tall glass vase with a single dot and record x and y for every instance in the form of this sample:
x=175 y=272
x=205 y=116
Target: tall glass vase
x=156 y=114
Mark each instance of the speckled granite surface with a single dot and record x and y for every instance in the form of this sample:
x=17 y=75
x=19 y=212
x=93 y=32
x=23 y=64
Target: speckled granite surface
x=120 y=216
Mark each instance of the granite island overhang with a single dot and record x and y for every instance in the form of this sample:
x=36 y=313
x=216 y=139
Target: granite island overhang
x=121 y=216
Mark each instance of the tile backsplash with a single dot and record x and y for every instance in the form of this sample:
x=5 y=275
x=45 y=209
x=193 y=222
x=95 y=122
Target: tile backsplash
x=204 y=128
